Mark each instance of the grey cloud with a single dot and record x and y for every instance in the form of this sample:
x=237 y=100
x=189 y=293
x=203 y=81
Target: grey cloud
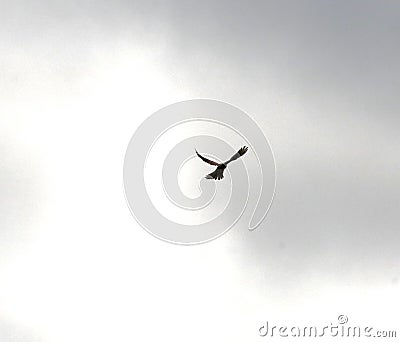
x=321 y=78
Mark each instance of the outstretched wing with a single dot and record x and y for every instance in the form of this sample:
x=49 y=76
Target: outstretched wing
x=207 y=160
x=238 y=154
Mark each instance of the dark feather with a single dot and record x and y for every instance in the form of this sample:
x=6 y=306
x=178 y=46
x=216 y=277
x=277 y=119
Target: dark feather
x=238 y=154
x=207 y=160
x=217 y=174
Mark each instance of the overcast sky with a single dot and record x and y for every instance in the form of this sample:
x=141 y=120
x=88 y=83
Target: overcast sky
x=321 y=78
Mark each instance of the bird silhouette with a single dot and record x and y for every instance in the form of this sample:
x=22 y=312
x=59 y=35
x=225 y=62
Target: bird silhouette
x=219 y=171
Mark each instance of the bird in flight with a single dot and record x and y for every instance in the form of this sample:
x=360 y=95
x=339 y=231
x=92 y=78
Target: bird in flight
x=219 y=171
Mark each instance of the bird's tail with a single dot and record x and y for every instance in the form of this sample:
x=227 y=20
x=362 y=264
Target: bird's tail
x=217 y=174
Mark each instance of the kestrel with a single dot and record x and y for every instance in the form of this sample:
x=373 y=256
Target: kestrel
x=219 y=171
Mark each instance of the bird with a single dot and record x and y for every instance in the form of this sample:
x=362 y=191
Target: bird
x=219 y=171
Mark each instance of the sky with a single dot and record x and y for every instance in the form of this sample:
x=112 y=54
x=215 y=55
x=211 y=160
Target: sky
x=321 y=78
